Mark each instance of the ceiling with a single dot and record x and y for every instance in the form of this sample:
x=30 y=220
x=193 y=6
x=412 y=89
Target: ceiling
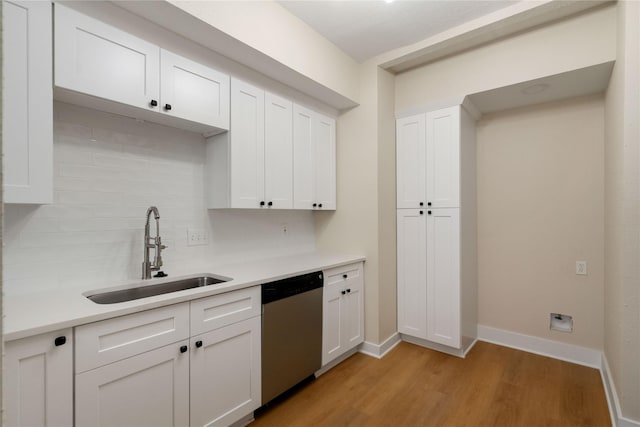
x=366 y=28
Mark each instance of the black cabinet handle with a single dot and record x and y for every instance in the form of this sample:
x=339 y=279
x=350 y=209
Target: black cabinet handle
x=343 y=292
x=262 y=203
x=428 y=203
x=198 y=344
x=349 y=290
x=167 y=107
x=344 y=276
x=421 y=212
x=314 y=205
x=421 y=203
x=270 y=203
x=429 y=212
x=60 y=341
x=153 y=103
x=320 y=205
x=183 y=349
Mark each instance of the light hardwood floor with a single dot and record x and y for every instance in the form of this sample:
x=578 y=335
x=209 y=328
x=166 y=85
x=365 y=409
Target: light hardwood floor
x=414 y=386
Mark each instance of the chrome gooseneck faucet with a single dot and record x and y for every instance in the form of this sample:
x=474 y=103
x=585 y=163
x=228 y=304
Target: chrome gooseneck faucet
x=152 y=243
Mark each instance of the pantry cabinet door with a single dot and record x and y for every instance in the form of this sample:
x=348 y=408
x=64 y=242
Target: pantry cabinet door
x=443 y=276
x=411 y=162
x=443 y=158
x=193 y=91
x=247 y=145
x=278 y=152
x=412 y=272
x=97 y=59
x=38 y=380
x=150 y=389
x=27 y=120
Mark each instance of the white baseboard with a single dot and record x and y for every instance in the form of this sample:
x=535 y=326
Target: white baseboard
x=338 y=360
x=544 y=347
x=612 y=397
x=380 y=350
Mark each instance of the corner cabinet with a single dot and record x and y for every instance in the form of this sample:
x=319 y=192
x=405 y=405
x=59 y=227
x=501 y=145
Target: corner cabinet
x=27 y=121
x=436 y=229
x=277 y=155
x=343 y=311
x=102 y=67
x=38 y=380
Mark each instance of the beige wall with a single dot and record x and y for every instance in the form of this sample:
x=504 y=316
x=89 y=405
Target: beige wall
x=622 y=210
x=584 y=40
x=269 y=28
x=540 y=209
x=365 y=219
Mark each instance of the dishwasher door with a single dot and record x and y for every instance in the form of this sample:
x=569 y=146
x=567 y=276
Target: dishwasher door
x=291 y=341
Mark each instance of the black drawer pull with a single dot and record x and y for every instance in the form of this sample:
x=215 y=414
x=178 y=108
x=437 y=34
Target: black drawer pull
x=198 y=344
x=183 y=349
x=60 y=341
x=167 y=107
x=343 y=292
x=344 y=276
x=153 y=103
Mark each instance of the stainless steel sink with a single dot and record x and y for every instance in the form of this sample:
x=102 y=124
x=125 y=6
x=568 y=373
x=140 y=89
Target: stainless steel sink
x=129 y=294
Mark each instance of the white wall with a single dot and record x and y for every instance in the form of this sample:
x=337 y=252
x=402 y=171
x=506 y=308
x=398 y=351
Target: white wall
x=541 y=209
x=108 y=171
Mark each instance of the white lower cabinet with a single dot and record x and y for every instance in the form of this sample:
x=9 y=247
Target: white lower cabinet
x=343 y=314
x=210 y=379
x=150 y=389
x=229 y=356
x=38 y=380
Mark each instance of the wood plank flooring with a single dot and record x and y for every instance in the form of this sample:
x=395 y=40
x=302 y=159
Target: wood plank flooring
x=414 y=386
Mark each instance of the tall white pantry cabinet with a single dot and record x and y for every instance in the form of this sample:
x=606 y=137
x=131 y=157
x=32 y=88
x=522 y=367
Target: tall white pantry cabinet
x=436 y=225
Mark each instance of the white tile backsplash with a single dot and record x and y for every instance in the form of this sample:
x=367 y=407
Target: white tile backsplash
x=107 y=171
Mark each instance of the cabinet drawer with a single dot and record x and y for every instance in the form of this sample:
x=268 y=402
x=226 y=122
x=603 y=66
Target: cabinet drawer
x=217 y=311
x=338 y=275
x=104 y=342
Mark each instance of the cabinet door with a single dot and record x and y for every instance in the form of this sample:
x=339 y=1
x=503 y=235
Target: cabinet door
x=443 y=276
x=278 y=152
x=443 y=158
x=150 y=389
x=353 y=310
x=225 y=374
x=247 y=145
x=303 y=158
x=412 y=272
x=332 y=311
x=411 y=162
x=38 y=380
x=27 y=121
x=100 y=60
x=325 y=161
x=193 y=91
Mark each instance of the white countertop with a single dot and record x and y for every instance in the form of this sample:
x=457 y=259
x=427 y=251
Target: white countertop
x=27 y=315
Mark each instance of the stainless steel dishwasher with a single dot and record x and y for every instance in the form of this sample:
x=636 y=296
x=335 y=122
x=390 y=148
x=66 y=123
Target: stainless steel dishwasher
x=291 y=332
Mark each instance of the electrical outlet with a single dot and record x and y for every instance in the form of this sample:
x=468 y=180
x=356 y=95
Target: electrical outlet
x=197 y=236
x=581 y=267
x=284 y=228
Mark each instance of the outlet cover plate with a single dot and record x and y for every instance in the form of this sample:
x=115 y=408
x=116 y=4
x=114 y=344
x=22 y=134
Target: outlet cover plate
x=581 y=268
x=197 y=236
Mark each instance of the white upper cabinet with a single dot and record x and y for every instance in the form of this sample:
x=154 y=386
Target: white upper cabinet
x=411 y=162
x=247 y=145
x=278 y=152
x=194 y=92
x=27 y=121
x=99 y=60
x=314 y=160
x=103 y=67
x=443 y=158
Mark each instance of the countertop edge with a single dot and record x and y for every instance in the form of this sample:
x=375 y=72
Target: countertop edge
x=102 y=312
